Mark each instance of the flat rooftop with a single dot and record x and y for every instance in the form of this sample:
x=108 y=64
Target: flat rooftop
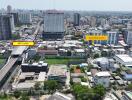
x=57 y=70
x=124 y=58
x=104 y=73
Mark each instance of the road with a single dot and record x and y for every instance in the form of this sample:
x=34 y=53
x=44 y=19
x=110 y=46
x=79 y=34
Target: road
x=7 y=86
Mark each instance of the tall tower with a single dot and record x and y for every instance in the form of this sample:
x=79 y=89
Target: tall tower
x=76 y=19
x=5 y=27
x=128 y=35
x=53 y=25
x=9 y=9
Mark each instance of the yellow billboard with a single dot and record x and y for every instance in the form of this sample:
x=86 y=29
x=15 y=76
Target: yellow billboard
x=96 y=37
x=23 y=43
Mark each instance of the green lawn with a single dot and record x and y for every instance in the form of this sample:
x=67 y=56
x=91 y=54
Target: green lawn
x=60 y=61
x=2 y=61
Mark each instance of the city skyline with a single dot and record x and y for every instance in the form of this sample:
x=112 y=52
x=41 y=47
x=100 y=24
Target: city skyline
x=87 y=5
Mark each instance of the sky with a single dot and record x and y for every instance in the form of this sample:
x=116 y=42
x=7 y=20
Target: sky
x=88 y=5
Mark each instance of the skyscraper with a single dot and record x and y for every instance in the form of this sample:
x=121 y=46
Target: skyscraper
x=53 y=25
x=9 y=9
x=112 y=37
x=15 y=17
x=5 y=27
x=128 y=35
x=76 y=19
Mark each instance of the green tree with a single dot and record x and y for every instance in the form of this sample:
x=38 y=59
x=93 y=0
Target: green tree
x=104 y=54
x=100 y=90
x=17 y=94
x=37 y=86
x=129 y=87
x=72 y=70
x=82 y=92
x=24 y=96
x=89 y=67
x=15 y=36
x=51 y=85
x=69 y=53
x=96 y=56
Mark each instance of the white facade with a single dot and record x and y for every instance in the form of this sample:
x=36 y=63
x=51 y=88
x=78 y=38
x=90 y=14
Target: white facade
x=112 y=37
x=124 y=59
x=129 y=38
x=102 y=78
x=25 y=18
x=54 y=22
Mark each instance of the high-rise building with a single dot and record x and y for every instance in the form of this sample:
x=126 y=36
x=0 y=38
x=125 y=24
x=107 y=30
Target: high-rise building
x=112 y=37
x=15 y=17
x=93 y=22
x=9 y=9
x=53 y=25
x=128 y=34
x=5 y=27
x=25 y=18
x=76 y=19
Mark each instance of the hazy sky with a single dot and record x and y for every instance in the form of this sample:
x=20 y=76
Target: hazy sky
x=99 y=5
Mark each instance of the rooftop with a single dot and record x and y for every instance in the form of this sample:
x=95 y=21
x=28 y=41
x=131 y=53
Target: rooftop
x=41 y=76
x=104 y=73
x=124 y=58
x=57 y=70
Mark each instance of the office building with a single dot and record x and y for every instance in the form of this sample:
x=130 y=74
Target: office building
x=6 y=27
x=25 y=18
x=76 y=19
x=35 y=67
x=9 y=9
x=112 y=37
x=15 y=18
x=128 y=34
x=53 y=25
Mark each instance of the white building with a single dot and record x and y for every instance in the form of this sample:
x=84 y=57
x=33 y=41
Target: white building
x=129 y=38
x=103 y=63
x=102 y=78
x=124 y=59
x=112 y=37
x=25 y=18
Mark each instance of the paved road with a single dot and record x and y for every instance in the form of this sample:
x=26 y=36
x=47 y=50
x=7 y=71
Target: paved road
x=7 y=86
x=7 y=67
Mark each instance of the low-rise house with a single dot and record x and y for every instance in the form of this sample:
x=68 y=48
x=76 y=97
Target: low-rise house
x=79 y=52
x=58 y=73
x=102 y=78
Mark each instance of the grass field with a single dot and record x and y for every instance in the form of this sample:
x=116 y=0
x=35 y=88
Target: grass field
x=2 y=61
x=60 y=61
